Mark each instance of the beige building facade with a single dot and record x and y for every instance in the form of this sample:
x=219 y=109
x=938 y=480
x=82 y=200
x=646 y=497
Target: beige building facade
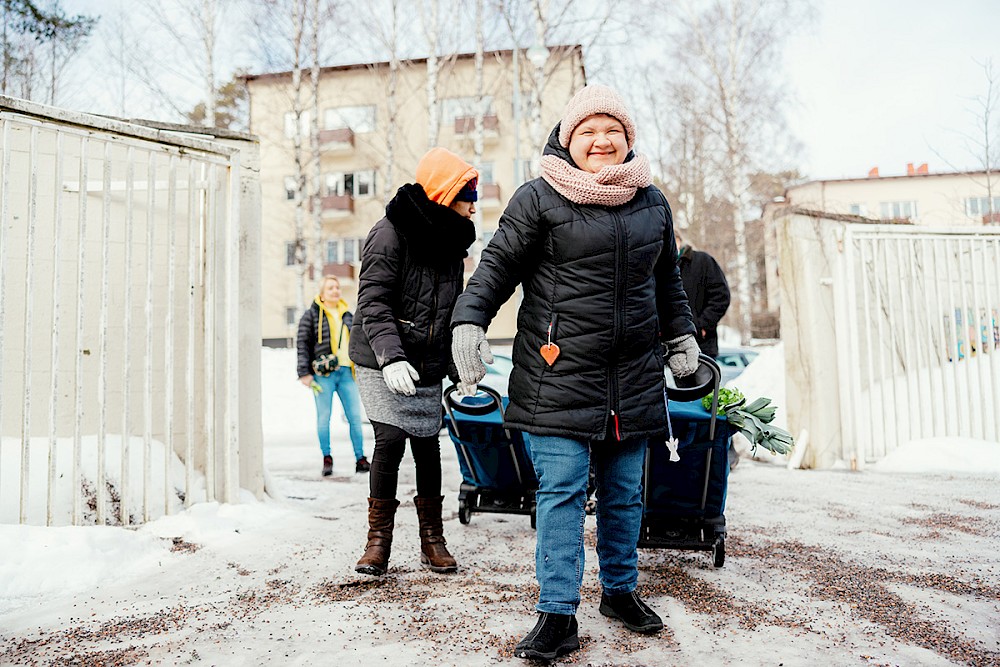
x=357 y=176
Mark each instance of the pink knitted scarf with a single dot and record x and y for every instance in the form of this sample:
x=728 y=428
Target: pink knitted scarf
x=612 y=186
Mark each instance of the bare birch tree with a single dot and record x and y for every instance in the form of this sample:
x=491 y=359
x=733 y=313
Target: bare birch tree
x=195 y=27
x=730 y=51
x=536 y=25
x=429 y=11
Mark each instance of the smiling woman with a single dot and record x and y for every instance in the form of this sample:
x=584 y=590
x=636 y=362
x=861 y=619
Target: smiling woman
x=598 y=141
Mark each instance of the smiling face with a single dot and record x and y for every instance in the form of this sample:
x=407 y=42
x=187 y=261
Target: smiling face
x=598 y=141
x=330 y=293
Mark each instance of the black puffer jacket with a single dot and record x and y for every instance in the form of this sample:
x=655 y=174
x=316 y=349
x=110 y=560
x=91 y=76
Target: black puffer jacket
x=605 y=279
x=708 y=295
x=411 y=274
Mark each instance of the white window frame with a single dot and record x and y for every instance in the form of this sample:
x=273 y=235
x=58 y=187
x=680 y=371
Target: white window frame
x=290 y=248
x=333 y=251
x=358 y=118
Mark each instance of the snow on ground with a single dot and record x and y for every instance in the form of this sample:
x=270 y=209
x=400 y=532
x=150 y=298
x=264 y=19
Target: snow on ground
x=882 y=567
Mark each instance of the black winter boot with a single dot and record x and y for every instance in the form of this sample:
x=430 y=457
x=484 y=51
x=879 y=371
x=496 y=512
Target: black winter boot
x=362 y=465
x=554 y=635
x=327 y=466
x=631 y=611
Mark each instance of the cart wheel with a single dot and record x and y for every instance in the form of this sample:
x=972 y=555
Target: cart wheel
x=464 y=512
x=533 y=522
x=719 y=552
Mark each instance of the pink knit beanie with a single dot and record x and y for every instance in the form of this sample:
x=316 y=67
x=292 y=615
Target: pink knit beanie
x=590 y=100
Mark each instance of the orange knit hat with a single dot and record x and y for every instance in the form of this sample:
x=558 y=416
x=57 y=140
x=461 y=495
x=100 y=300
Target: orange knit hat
x=443 y=174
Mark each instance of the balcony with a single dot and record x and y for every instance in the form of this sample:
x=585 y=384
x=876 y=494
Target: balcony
x=465 y=126
x=489 y=195
x=340 y=269
x=991 y=219
x=340 y=140
x=337 y=206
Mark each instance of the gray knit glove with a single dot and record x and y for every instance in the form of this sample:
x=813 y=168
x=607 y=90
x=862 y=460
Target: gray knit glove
x=682 y=356
x=469 y=349
x=399 y=377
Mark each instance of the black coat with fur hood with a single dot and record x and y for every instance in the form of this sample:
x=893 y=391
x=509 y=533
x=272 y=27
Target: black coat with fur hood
x=411 y=275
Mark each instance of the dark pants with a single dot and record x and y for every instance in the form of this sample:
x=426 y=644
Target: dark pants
x=390 y=443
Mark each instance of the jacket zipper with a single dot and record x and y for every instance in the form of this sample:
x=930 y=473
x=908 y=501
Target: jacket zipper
x=619 y=278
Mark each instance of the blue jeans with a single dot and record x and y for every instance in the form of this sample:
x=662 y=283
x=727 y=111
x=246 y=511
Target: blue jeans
x=563 y=467
x=342 y=382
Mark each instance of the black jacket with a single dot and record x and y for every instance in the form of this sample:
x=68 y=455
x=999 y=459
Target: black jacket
x=411 y=273
x=309 y=343
x=605 y=279
x=708 y=295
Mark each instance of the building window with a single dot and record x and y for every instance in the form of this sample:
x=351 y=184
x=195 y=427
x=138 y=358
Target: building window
x=291 y=315
x=290 y=187
x=486 y=173
x=355 y=184
x=333 y=252
x=976 y=206
x=290 y=253
x=358 y=119
x=859 y=209
x=290 y=124
x=364 y=183
x=898 y=210
x=463 y=107
x=350 y=250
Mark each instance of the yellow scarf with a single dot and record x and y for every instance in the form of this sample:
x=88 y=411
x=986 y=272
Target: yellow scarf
x=334 y=318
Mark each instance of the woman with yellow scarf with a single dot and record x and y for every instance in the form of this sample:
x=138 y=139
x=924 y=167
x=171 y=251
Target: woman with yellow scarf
x=324 y=365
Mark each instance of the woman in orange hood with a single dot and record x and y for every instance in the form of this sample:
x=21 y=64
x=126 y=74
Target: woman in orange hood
x=412 y=267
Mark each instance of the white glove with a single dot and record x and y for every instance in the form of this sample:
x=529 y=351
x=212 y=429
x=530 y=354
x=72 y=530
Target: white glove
x=682 y=356
x=399 y=377
x=469 y=349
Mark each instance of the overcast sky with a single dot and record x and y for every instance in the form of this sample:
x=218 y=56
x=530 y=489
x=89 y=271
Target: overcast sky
x=886 y=82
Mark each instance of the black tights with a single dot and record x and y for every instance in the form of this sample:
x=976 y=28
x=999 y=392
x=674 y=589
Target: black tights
x=390 y=442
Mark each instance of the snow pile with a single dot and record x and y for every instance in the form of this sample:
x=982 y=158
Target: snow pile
x=938 y=455
x=72 y=559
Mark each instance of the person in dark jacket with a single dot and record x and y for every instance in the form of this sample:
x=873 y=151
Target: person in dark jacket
x=411 y=273
x=707 y=291
x=324 y=331
x=591 y=242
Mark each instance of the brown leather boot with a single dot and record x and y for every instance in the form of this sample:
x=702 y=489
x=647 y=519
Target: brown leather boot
x=381 y=518
x=434 y=554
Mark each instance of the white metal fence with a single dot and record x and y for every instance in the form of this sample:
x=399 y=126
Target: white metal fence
x=892 y=334
x=924 y=313
x=122 y=250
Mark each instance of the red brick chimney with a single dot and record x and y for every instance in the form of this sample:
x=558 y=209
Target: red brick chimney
x=873 y=172
x=909 y=169
x=922 y=169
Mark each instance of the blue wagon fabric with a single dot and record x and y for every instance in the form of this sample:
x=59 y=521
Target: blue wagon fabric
x=675 y=489
x=489 y=451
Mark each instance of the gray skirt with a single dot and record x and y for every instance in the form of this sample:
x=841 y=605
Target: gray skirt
x=418 y=415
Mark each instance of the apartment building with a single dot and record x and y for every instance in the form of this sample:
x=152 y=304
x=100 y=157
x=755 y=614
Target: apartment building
x=919 y=197
x=356 y=176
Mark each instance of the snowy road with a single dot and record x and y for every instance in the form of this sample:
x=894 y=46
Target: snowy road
x=823 y=568
x=828 y=567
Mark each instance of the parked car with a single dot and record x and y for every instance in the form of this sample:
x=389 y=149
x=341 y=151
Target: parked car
x=733 y=360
